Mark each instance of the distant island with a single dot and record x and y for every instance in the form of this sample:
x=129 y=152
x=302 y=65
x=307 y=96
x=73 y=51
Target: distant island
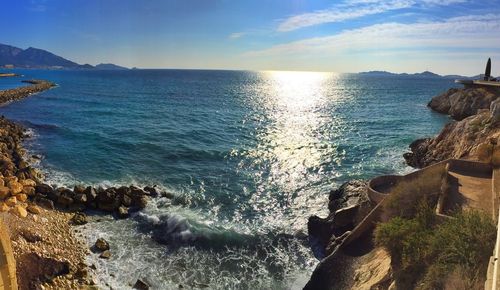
x=425 y=74
x=14 y=57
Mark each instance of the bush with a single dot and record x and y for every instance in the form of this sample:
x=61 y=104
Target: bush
x=428 y=255
x=406 y=194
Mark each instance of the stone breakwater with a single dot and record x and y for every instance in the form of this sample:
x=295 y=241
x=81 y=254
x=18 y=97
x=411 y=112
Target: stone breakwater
x=39 y=216
x=35 y=86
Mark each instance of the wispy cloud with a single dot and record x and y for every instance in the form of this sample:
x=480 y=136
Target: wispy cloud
x=354 y=9
x=236 y=35
x=473 y=31
x=38 y=5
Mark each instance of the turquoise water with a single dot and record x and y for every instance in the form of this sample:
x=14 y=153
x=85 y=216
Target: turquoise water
x=248 y=155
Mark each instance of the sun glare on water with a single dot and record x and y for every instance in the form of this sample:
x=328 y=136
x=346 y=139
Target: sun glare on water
x=292 y=144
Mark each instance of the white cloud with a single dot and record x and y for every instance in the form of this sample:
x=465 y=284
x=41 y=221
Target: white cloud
x=469 y=32
x=236 y=35
x=354 y=9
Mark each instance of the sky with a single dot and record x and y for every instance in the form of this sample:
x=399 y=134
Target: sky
x=443 y=36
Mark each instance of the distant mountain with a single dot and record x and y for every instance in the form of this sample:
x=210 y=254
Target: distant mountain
x=34 y=57
x=39 y=58
x=8 y=54
x=425 y=74
x=109 y=66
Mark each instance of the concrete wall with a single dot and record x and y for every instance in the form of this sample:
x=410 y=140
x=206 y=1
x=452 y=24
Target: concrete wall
x=8 y=280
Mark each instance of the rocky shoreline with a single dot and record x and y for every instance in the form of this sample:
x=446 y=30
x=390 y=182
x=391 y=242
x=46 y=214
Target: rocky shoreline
x=472 y=135
x=41 y=219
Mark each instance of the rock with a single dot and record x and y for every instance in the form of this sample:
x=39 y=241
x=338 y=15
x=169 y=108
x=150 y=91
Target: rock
x=29 y=190
x=4 y=192
x=30 y=236
x=11 y=201
x=79 y=189
x=4 y=207
x=123 y=212
x=101 y=244
x=105 y=255
x=495 y=110
x=20 y=211
x=15 y=187
x=465 y=139
x=151 y=190
x=22 y=197
x=33 y=209
x=80 y=198
x=90 y=193
x=79 y=218
x=126 y=200
x=41 y=269
x=28 y=183
x=462 y=103
x=140 y=285
x=44 y=202
x=44 y=189
x=142 y=202
x=348 y=205
x=64 y=200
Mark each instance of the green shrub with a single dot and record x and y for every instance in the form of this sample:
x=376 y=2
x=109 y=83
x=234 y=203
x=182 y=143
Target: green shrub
x=428 y=255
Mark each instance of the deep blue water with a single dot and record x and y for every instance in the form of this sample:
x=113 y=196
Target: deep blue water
x=248 y=155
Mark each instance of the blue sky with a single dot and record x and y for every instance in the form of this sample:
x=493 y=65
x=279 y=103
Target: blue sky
x=445 y=36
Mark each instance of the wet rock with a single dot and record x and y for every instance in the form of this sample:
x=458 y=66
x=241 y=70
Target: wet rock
x=79 y=218
x=151 y=190
x=140 y=285
x=101 y=244
x=44 y=202
x=123 y=212
x=80 y=198
x=90 y=193
x=142 y=202
x=64 y=200
x=79 y=189
x=126 y=200
x=105 y=255
x=44 y=189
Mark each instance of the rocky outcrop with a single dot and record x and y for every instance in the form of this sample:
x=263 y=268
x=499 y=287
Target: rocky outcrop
x=347 y=205
x=469 y=138
x=462 y=103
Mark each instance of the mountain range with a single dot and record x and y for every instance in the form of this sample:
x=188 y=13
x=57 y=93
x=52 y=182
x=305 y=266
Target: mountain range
x=39 y=58
x=425 y=74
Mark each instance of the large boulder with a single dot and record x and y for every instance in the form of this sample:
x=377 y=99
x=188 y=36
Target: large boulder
x=462 y=103
x=348 y=205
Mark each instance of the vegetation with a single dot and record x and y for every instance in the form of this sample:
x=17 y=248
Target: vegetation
x=406 y=194
x=432 y=255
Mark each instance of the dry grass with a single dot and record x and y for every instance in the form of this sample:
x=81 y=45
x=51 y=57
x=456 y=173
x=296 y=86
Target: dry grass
x=404 y=197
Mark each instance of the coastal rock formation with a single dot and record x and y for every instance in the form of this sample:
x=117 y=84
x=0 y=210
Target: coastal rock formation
x=347 y=205
x=469 y=138
x=465 y=102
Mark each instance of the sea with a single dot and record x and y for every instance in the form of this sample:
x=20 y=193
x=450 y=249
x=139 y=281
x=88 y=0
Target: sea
x=248 y=156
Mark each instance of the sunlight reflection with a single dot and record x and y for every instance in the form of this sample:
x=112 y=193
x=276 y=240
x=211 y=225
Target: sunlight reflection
x=291 y=142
